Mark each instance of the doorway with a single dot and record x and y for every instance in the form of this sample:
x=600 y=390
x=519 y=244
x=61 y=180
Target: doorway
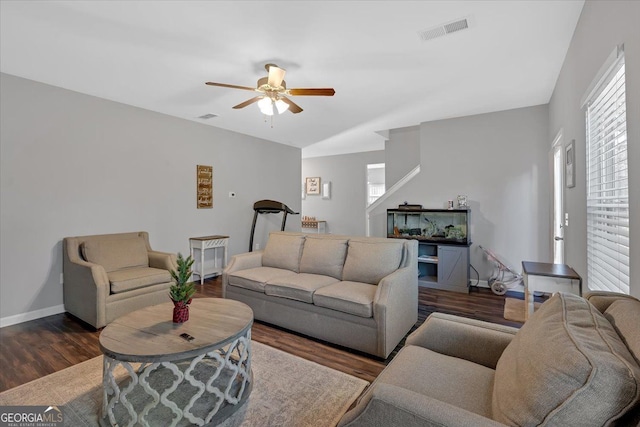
x=558 y=198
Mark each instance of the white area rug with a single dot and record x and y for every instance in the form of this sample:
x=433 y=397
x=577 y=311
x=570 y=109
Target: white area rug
x=287 y=391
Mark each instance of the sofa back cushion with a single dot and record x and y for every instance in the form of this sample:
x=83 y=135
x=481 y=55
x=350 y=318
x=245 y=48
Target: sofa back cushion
x=566 y=366
x=323 y=256
x=283 y=251
x=114 y=254
x=369 y=261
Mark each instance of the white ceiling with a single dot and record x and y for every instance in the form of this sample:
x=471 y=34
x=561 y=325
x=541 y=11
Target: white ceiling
x=158 y=54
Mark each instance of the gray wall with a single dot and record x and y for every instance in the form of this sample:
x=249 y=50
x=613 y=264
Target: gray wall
x=345 y=212
x=402 y=153
x=602 y=26
x=500 y=161
x=73 y=164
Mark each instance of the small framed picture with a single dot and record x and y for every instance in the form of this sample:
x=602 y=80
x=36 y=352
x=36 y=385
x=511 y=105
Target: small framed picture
x=312 y=185
x=569 y=164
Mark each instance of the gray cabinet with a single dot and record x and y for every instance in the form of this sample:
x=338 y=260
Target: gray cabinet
x=443 y=266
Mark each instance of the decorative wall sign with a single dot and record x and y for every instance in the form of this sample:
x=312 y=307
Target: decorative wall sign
x=569 y=164
x=204 y=179
x=312 y=185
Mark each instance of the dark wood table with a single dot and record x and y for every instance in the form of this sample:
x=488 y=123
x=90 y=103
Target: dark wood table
x=208 y=356
x=562 y=278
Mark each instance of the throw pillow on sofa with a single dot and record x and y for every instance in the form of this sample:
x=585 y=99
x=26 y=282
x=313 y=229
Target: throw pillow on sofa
x=567 y=346
x=283 y=251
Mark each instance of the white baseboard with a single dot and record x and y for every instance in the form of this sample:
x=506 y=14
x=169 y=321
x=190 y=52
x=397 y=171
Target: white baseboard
x=32 y=315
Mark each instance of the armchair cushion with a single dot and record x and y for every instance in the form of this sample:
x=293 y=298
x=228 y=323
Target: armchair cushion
x=370 y=262
x=114 y=254
x=283 y=251
x=624 y=315
x=127 y=279
x=583 y=361
x=323 y=256
x=440 y=377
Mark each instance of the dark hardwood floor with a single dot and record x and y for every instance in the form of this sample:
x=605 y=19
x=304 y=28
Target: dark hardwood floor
x=40 y=347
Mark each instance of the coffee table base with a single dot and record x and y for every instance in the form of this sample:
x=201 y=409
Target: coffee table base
x=207 y=388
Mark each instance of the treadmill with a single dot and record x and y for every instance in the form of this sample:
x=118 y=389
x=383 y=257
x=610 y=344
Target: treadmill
x=268 y=207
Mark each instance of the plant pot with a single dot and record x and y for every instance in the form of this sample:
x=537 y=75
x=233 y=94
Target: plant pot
x=180 y=311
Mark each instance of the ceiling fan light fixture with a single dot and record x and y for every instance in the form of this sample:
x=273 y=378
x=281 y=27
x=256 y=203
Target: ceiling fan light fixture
x=266 y=106
x=281 y=106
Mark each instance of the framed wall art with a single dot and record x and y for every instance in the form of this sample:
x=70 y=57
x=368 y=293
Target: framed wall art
x=312 y=185
x=204 y=186
x=569 y=164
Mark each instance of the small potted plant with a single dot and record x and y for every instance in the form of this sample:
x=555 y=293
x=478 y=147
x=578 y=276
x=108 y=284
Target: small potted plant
x=182 y=291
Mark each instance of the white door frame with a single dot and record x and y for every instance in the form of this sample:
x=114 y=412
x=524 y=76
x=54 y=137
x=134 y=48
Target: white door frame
x=557 y=199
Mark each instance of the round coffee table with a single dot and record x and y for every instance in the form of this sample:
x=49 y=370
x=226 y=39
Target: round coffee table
x=177 y=373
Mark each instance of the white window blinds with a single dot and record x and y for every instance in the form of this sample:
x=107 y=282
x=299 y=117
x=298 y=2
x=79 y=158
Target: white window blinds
x=607 y=185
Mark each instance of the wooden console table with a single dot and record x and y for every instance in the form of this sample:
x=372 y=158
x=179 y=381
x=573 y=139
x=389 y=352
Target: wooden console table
x=204 y=243
x=546 y=277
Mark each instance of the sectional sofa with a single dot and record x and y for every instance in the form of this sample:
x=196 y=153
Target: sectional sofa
x=357 y=292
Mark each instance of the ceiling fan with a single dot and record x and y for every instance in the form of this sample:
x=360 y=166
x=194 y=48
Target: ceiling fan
x=273 y=93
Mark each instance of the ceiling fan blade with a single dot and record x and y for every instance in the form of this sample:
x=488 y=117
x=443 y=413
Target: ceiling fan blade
x=248 y=102
x=293 y=107
x=311 y=92
x=230 y=86
x=276 y=75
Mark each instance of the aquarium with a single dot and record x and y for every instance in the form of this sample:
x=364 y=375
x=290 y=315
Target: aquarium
x=434 y=225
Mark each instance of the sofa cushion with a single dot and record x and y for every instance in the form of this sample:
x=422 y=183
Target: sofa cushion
x=323 y=256
x=349 y=297
x=114 y=254
x=455 y=381
x=370 y=262
x=565 y=366
x=283 y=251
x=255 y=278
x=624 y=315
x=127 y=279
x=298 y=287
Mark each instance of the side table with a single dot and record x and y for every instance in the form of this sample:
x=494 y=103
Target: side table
x=546 y=277
x=202 y=244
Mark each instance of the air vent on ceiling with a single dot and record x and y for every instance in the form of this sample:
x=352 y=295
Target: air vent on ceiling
x=444 y=29
x=208 y=116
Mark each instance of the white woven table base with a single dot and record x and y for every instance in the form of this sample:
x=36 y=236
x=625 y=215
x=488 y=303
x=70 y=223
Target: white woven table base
x=234 y=358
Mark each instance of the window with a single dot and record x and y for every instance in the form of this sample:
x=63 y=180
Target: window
x=607 y=183
x=375 y=182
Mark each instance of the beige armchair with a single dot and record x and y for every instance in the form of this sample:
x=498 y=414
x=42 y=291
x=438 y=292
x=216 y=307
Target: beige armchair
x=109 y=275
x=569 y=365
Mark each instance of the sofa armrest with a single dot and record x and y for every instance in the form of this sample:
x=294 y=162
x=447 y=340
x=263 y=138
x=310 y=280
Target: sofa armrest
x=162 y=260
x=473 y=340
x=85 y=289
x=240 y=262
x=389 y=405
x=395 y=307
x=603 y=299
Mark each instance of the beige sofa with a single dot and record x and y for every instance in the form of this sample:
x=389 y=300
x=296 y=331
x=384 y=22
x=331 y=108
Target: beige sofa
x=573 y=363
x=357 y=292
x=106 y=276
